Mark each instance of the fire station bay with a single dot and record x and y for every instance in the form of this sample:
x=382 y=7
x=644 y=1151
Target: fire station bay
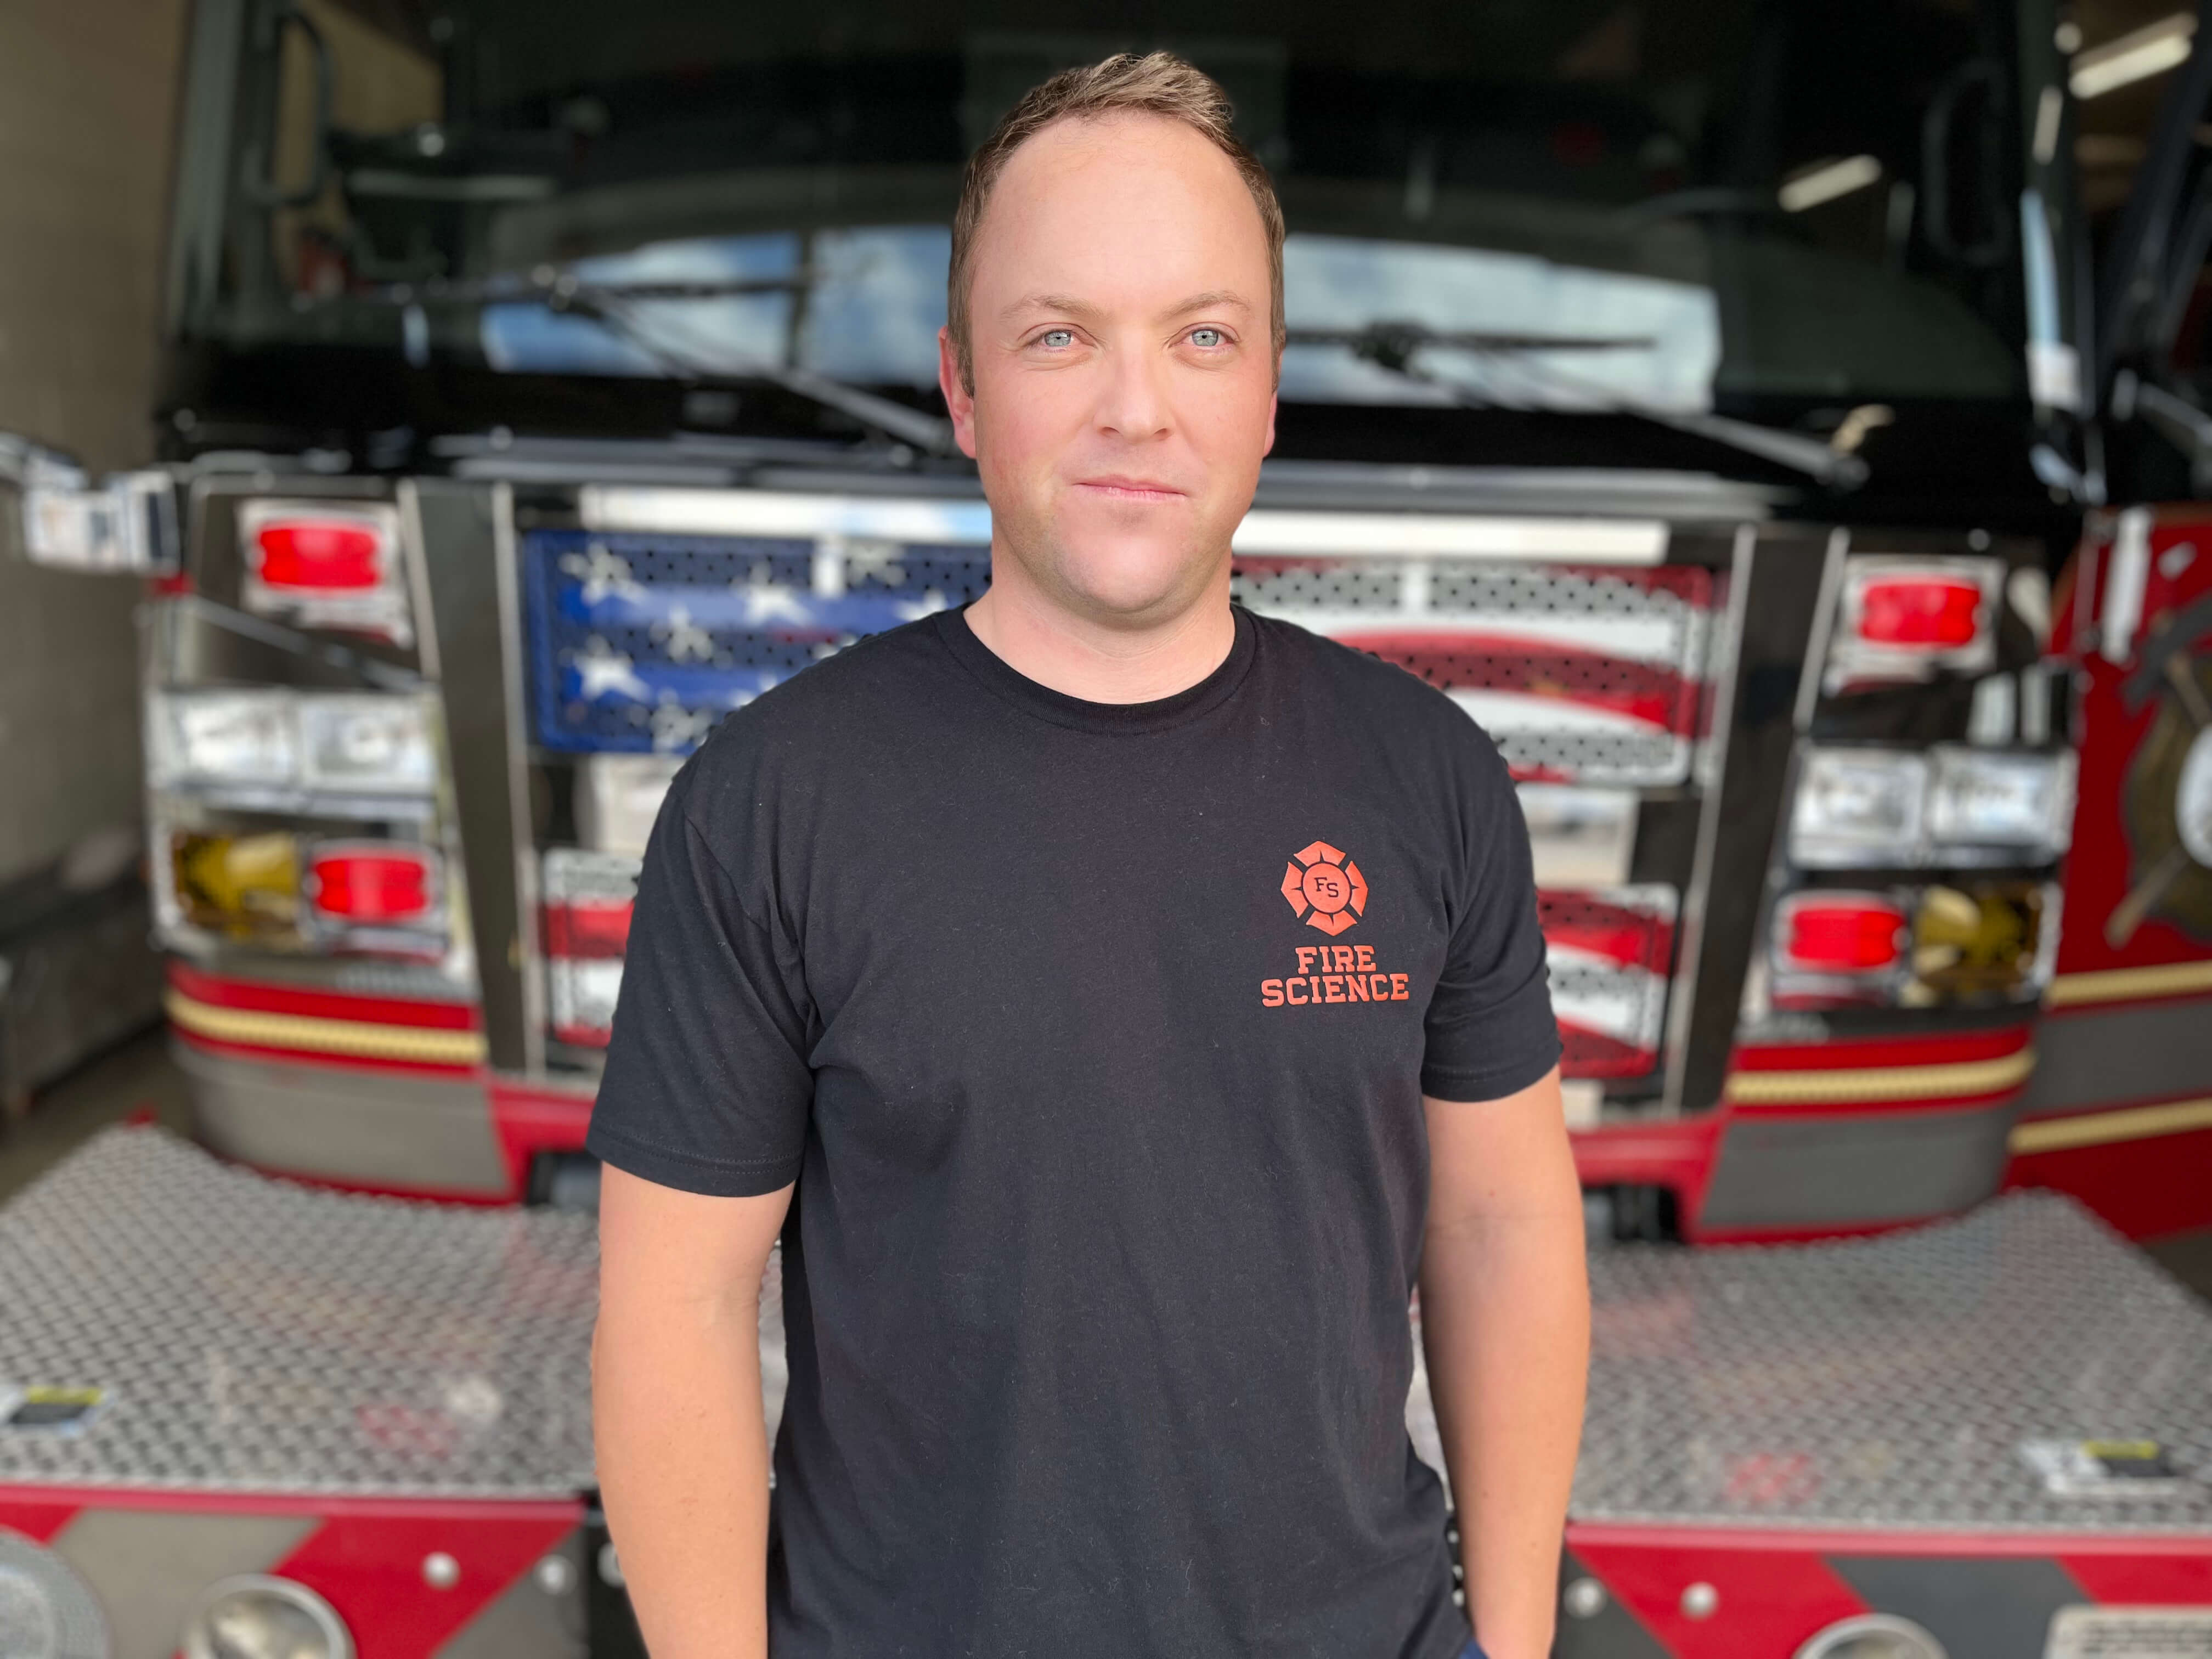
x=1781 y=430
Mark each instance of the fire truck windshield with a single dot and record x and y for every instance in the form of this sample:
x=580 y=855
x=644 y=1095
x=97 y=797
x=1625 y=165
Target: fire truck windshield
x=1683 y=206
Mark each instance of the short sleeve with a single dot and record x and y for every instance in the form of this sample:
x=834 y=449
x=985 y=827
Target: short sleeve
x=1490 y=1029
x=706 y=1085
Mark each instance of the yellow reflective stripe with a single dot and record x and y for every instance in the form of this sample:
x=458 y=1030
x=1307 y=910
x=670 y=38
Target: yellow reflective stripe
x=1965 y=1077
x=2110 y=984
x=336 y=1036
x=2049 y=1134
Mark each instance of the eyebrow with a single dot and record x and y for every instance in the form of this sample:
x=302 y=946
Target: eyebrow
x=1068 y=305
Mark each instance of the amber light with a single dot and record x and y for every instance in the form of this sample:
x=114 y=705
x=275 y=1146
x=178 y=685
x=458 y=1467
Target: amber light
x=324 y=556
x=1935 y=613
x=1847 y=933
x=240 y=887
x=375 y=886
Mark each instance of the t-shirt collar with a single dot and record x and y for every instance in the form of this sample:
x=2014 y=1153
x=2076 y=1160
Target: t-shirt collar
x=1013 y=686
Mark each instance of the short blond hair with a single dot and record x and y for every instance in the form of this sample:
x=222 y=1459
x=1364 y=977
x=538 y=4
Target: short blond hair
x=1157 y=84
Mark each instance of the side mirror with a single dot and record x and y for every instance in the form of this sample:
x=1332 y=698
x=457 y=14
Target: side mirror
x=127 y=522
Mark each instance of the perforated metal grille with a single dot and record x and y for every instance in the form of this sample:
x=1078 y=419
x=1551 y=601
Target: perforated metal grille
x=1292 y=586
x=1892 y=1382
x=578 y=873
x=1579 y=675
x=644 y=642
x=582 y=989
x=1610 y=951
x=1471 y=585
x=255 y=1334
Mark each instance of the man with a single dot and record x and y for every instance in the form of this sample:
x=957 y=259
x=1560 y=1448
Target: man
x=1114 y=1000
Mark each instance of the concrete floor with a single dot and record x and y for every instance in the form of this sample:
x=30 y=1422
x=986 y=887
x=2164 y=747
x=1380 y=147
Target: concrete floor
x=140 y=1074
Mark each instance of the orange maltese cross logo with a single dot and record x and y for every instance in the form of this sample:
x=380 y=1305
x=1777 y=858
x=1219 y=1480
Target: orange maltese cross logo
x=1325 y=888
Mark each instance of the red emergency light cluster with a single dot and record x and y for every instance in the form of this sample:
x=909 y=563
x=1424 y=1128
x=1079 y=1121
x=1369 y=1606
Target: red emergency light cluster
x=1822 y=933
x=374 y=886
x=1925 y=612
x=321 y=556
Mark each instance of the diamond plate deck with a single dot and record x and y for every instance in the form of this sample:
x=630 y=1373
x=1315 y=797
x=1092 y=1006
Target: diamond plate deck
x=1890 y=1383
x=256 y=1334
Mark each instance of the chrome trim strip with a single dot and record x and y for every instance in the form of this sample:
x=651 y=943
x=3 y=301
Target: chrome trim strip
x=1581 y=540
x=1682 y=994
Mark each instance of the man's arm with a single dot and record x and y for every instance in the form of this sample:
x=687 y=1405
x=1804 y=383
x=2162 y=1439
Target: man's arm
x=1505 y=1326
x=677 y=1422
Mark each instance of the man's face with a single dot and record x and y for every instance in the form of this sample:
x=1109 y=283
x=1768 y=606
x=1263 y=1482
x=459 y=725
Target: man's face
x=1124 y=371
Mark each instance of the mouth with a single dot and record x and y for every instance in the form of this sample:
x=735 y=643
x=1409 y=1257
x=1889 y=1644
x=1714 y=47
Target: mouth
x=1115 y=487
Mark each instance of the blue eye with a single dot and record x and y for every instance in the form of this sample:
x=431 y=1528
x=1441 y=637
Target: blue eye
x=1057 y=337
x=1207 y=337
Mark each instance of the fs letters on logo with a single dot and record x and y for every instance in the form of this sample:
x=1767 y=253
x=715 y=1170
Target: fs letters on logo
x=1326 y=891
x=1325 y=888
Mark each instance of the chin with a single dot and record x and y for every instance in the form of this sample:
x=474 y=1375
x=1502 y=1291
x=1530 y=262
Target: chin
x=1133 y=577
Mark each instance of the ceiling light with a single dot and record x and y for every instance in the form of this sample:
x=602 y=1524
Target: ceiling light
x=2135 y=56
x=1824 y=181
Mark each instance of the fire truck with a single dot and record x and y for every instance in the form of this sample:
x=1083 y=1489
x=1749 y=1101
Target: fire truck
x=1700 y=395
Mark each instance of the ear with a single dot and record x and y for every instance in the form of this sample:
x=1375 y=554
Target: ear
x=960 y=402
x=1274 y=399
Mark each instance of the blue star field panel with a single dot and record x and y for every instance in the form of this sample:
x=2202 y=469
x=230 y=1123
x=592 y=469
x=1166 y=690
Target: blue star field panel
x=643 y=642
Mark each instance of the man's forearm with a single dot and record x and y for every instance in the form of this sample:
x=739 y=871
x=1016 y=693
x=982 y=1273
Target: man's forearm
x=683 y=1468
x=1505 y=1326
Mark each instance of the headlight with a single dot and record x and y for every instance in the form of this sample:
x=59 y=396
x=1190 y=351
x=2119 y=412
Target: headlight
x=270 y=747
x=2002 y=800
x=253 y=1617
x=372 y=743
x=1858 y=807
x=1893 y=808
x=249 y=738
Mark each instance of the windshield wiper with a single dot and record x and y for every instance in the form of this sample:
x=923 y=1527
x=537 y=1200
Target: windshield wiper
x=1391 y=346
x=1394 y=346
x=610 y=305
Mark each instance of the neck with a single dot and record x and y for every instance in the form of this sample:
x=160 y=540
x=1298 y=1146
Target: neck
x=1099 y=661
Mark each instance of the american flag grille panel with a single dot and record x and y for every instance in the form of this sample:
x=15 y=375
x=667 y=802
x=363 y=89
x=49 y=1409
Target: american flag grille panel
x=642 y=642
x=1590 y=675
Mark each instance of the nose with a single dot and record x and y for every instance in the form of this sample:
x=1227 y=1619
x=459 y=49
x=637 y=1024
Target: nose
x=1133 y=401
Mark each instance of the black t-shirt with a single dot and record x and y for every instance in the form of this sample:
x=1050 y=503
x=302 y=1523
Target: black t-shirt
x=1095 y=1037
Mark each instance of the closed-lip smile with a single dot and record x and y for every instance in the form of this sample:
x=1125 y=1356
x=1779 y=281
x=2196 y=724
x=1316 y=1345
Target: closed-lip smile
x=1134 y=490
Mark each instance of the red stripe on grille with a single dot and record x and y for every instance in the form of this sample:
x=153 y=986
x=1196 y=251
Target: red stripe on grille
x=1593 y=1054
x=1648 y=693
x=1577 y=922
